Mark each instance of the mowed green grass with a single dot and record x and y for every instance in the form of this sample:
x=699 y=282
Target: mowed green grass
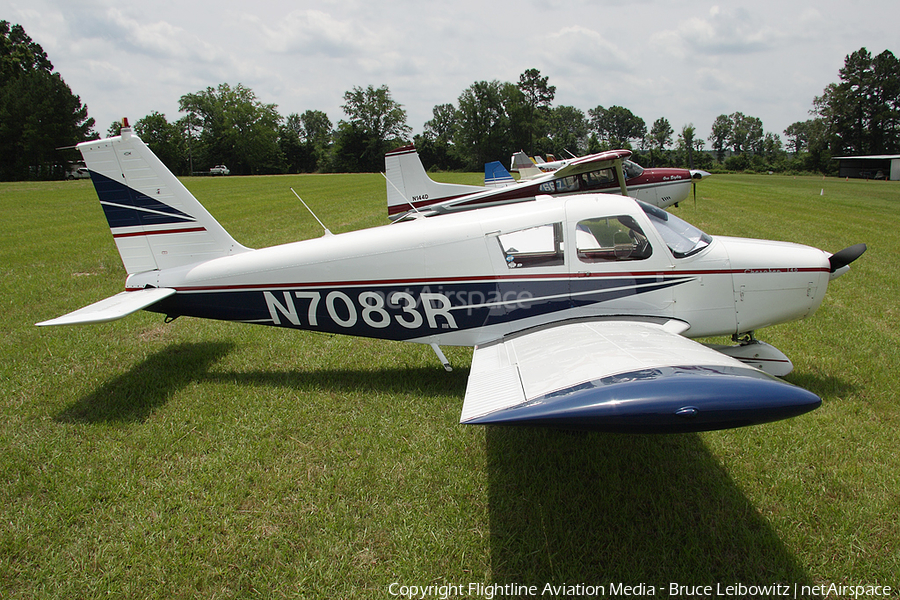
x=202 y=459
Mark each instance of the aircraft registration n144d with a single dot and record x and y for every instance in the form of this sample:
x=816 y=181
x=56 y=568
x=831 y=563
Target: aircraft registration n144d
x=580 y=308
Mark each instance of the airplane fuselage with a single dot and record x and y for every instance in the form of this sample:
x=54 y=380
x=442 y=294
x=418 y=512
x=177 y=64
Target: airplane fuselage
x=661 y=187
x=468 y=278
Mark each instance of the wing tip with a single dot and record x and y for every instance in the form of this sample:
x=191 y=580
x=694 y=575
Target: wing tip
x=671 y=400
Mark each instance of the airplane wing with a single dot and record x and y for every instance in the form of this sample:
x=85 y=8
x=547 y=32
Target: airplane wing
x=624 y=376
x=112 y=308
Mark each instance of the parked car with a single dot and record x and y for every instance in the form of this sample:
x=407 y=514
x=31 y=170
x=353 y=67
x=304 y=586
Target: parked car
x=219 y=170
x=79 y=173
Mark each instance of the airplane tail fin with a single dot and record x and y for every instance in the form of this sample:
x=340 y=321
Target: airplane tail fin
x=409 y=186
x=495 y=176
x=526 y=168
x=519 y=160
x=155 y=221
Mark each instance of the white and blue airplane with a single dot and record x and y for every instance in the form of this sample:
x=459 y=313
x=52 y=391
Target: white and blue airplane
x=581 y=309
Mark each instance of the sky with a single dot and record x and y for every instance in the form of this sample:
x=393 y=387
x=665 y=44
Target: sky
x=686 y=60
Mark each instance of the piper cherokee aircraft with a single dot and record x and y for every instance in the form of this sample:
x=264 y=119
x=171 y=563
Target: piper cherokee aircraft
x=409 y=188
x=579 y=307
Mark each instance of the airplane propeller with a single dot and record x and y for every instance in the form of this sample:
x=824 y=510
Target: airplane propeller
x=697 y=175
x=846 y=256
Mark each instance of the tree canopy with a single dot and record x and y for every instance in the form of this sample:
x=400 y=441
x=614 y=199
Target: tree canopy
x=617 y=126
x=38 y=111
x=490 y=120
x=862 y=112
x=377 y=123
x=234 y=128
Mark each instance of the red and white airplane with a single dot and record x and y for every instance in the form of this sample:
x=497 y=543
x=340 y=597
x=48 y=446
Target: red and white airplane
x=580 y=308
x=409 y=188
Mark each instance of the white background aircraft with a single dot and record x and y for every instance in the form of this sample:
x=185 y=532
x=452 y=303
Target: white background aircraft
x=529 y=168
x=579 y=307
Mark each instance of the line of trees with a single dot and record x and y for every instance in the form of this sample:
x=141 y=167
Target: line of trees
x=858 y=116
x=490 y=120
x=38 y=111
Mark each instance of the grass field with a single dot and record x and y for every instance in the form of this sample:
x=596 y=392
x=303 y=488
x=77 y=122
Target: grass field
x=207 y=459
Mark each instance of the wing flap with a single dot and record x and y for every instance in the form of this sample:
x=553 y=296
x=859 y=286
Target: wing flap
x=494 y=383
x=112 y=308
x=627 y=376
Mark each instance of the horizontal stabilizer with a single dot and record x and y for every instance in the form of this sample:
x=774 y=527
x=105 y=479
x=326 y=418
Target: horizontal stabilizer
x=621 y=376
x=112 y=308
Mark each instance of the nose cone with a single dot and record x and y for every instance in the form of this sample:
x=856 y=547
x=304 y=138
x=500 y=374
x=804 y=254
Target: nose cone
x=772 y=256
x=697 y=174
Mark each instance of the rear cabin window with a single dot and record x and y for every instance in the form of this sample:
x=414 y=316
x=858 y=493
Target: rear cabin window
x=599 y=179
x=609 y=239
x=602 y=178
x=540 y=246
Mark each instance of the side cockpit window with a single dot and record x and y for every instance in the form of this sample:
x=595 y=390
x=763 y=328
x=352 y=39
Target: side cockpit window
x=611 y=239
x=540 y=246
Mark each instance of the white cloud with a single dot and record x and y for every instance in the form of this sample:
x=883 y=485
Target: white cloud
x=687 y=61
x=311 y=34
x=577 y=45
x=723 y=32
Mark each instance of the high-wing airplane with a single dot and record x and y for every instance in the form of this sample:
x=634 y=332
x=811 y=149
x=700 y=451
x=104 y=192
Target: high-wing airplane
x=409 y=188
x=662 y=186
x=580 y=308
x=529 y=168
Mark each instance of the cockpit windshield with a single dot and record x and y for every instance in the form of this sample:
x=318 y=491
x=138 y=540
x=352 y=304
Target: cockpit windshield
x=682 y=238
x=631 y=169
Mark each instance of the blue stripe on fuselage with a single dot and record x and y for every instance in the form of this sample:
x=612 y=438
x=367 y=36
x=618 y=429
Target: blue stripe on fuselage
x=410 y=311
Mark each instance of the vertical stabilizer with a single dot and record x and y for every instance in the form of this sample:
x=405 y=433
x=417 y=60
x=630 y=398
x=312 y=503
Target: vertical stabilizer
x=156 y=222
x=525 y=166
x=409 y=186
x=495 y=176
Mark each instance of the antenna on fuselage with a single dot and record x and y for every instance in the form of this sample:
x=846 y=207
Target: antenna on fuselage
x=311 y=212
